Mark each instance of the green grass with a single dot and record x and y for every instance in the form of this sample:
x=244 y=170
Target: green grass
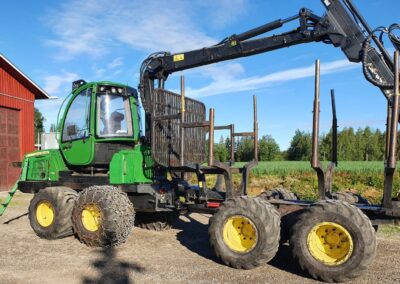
x=288 y=167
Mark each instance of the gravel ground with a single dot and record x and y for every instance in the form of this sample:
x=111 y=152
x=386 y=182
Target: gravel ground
x=180 y=255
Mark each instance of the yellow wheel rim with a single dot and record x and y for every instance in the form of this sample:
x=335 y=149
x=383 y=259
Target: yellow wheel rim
x=45 y=213
x=330 y=243
x=91 y=217
x=240 y=234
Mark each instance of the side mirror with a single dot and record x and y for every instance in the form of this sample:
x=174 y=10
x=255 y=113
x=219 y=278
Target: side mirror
x=71 y=130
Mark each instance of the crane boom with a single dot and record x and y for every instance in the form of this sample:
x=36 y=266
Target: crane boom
x=341 y=26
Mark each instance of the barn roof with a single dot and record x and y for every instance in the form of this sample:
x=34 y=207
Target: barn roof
x=21 y=77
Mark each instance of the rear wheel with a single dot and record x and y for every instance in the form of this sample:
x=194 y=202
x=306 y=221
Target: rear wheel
x=50 y=212
x=245 y=232
x=103 y=216
x=350 y=197
x=333 y=241
x=278 y=193
x=156 y=221
x=287 y=220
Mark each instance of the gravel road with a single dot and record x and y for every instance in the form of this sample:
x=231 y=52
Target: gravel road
x=180 y=255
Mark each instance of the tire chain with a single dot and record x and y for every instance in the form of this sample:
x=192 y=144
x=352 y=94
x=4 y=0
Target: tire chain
x=121 y=224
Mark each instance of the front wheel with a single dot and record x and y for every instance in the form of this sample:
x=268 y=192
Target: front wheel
x=103 y=216
x=334 y=241
x=50 y=212
x=245 y=232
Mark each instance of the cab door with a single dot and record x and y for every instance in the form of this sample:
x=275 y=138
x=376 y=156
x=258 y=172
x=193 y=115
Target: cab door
x=76 y=137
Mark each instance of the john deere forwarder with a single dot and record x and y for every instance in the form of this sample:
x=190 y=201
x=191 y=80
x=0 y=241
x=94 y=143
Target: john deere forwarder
x=106 y=171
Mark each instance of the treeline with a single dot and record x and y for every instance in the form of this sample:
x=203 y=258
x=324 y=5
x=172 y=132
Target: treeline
x=360 y=145
x=353 y=145
x=268 y=149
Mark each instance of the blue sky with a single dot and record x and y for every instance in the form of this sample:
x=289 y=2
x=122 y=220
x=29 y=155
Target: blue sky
x=56 y=42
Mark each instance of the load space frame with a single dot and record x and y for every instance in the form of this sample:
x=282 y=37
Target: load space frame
x=178 y=137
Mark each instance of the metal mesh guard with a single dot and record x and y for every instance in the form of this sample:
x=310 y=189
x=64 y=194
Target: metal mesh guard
x=166 y=133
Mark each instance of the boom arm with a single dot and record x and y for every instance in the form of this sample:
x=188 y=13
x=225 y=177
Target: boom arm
x=341 y=27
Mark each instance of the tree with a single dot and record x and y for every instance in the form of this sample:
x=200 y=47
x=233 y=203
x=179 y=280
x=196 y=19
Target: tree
x=228 y=147
x=325 y=147
x=300 y=147
x=372 y=149
x=359 y=147
x=39 y=120
x=245 y=150
x=364 y=145
x=380 y=138
x=220 y=151
x=268 y=149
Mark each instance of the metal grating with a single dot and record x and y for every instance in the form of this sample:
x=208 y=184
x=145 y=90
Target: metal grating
x=166 y=132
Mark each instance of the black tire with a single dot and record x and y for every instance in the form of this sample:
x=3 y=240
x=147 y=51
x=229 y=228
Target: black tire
x=156 y=221
x=61 y=200
x=278 y=193
x=350 y=197
x=286 y=220
x=116 y=216
x=357 y=225
x=266 y=220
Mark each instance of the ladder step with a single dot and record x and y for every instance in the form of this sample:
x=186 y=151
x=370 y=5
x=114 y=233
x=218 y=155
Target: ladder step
x=7 y=201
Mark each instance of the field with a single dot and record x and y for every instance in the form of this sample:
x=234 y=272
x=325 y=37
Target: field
x=296 y=167
x=365 y=178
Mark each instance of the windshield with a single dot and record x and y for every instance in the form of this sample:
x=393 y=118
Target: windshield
x=113 y=116
x=76 y=124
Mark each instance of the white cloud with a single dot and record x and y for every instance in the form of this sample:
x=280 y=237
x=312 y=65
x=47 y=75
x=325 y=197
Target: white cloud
x=53 y=83
x=222 y=72
x=232 y=84
x=116 y=72
x=107 y=71
x=94 y=27
x=99 y=72
x=119 y=61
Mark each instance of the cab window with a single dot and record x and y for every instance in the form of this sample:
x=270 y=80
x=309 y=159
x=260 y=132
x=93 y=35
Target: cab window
x=113 y=116
x=77 y=121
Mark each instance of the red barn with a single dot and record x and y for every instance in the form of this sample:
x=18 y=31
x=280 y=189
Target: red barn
x=17 y=97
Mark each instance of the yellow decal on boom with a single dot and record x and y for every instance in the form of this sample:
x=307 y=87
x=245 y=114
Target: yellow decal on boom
x=179 y=57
